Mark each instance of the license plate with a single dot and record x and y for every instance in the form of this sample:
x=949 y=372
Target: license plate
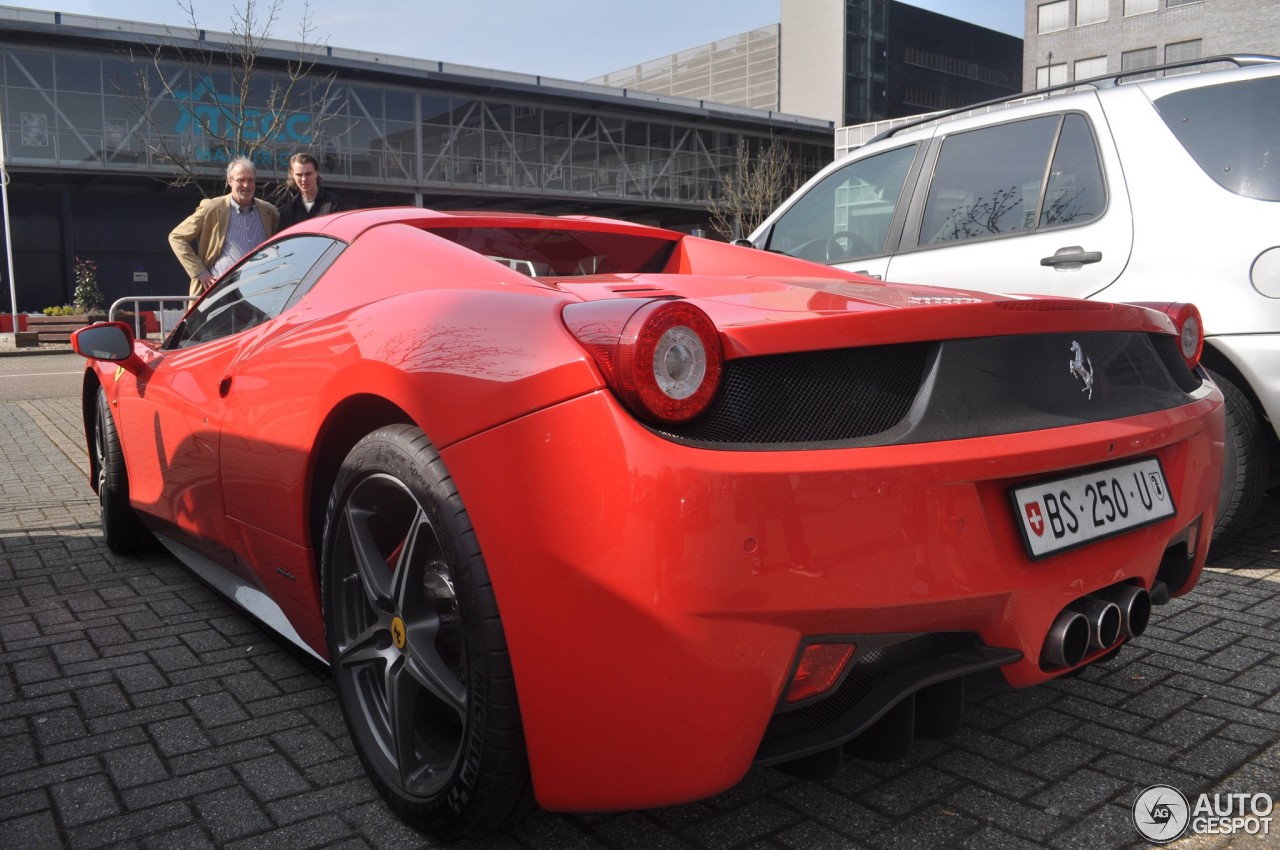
x=1069 y=512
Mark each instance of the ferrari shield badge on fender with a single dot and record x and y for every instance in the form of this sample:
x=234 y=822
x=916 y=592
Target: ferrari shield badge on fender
x=1082 y=368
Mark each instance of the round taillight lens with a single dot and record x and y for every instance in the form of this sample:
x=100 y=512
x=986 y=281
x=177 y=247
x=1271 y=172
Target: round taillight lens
x=1187 y=322
x=662 y=358
x=1186 y=318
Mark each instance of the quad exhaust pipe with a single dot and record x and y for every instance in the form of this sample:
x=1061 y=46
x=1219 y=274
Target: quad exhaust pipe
x=1095 y=622
x=1134 y=604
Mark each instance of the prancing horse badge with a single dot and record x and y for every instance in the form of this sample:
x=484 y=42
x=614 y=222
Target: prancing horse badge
x=1082 y=368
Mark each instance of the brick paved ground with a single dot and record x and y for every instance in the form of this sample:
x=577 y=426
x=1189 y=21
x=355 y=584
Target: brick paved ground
x=137 y=709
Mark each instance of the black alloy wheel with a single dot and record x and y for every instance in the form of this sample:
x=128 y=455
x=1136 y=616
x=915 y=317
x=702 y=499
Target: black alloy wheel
x=415 y=641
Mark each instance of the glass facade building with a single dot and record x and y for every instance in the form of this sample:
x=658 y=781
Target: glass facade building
x=88 y=170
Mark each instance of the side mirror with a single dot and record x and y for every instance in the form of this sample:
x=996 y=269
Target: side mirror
x=112 y=341
x=743 y=243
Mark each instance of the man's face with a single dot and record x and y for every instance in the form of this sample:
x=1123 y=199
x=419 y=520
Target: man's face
x=242 y=182
x=305 y=178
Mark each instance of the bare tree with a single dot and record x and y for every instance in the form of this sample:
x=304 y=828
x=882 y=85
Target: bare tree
x=199 y=102
x=765 y=175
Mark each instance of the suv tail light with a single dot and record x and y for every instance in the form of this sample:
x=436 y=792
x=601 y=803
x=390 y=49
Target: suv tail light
x=661 y=357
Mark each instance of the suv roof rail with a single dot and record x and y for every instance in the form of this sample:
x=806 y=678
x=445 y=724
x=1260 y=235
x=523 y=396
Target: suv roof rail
x=1240 y=60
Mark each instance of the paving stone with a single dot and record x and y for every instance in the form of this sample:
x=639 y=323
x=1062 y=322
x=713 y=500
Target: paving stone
x=130 y=767
x=190 y=837
x=92 y=744
x=734 y=828
x=84 y=800
x=179 y=735
x=1058 y=759
x=178 y=788
x=1078 y=794
x=38 y=831
x=336 y=798
x=1037 y=729
x=271 y=777
x=230 y=813
x=136 y=826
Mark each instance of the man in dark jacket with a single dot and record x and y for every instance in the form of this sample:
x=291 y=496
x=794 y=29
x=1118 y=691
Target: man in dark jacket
x=311 y=200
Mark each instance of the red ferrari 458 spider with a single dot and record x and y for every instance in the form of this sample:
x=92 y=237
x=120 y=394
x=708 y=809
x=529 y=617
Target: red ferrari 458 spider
x=601 y=515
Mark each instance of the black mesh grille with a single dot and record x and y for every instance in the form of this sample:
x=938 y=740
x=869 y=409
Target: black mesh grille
x=925 y=392
x=811 y=397
x=865 y=671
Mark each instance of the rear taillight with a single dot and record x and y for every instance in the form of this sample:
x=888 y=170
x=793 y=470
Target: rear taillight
x=661 y=357
x=1187 y=322
x=1190 y=331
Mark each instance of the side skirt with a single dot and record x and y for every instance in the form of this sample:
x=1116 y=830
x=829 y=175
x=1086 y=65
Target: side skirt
x=252 y=600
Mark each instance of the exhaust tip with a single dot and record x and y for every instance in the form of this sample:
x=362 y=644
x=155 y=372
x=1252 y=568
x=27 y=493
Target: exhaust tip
x=1067 y=641
x=1105 y=620
x=1134 y=604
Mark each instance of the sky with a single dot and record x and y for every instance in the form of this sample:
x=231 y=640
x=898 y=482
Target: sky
x=565 y=39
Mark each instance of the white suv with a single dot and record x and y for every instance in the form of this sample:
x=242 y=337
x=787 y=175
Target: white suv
x=1156 y=190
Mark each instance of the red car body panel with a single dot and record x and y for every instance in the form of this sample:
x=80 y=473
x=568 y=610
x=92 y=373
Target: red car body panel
x=691 y=576
x=653 y=594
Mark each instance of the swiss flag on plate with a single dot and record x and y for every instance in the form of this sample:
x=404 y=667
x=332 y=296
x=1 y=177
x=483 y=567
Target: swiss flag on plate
x=1034 y=519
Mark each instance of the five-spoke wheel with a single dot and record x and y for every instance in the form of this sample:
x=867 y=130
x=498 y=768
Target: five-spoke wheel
x=415 y=641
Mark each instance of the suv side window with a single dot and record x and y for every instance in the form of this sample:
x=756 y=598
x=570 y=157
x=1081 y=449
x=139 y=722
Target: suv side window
x=256 y=290
x=848 y=213
x=994 y=181
x=1076 y=192
x=1244 y=159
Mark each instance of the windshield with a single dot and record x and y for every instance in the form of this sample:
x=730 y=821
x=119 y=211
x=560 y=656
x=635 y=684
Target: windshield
x=848 y=213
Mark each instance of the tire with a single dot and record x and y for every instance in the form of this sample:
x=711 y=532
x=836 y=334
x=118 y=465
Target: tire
x=416 y=644
x=123 y=531
x=1245 y=463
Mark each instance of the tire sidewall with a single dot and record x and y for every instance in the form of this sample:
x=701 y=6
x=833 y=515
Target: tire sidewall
x=402 y=452
x=1244 y=461
x=122 y=529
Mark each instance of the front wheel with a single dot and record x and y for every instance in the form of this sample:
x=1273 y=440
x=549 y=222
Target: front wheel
x=123 y=531
x=415 y=641
x=1245 y=463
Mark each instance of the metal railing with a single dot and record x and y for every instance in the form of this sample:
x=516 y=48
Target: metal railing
x=167 y=318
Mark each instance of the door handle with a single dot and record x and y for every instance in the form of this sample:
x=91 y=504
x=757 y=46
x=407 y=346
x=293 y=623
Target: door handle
x=224 y=387
x=1071 y=258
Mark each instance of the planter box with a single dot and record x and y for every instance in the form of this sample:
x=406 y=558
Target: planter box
x=57 y=328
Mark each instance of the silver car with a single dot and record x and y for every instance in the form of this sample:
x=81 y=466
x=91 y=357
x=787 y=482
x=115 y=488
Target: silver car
x=1154 y=186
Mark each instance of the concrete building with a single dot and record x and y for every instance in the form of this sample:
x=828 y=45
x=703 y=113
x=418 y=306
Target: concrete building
x=847 y=61
x=1074 y=39
x=87 y=173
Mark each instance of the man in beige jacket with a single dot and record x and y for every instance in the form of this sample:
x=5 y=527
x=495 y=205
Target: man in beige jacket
x=223 y=229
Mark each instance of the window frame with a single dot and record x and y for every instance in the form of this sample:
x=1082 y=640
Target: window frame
x=913 y=231
x=1104 y=12
x=230 y=289
x=1133 y=8
x=1057 y=9
x=1075 y=70
x=835 y=179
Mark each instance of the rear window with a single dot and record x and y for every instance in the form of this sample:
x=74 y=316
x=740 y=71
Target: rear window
x=1233 y=132
x=547 y=252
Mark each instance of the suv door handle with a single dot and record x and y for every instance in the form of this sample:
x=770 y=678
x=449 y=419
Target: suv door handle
x=1073 y=256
